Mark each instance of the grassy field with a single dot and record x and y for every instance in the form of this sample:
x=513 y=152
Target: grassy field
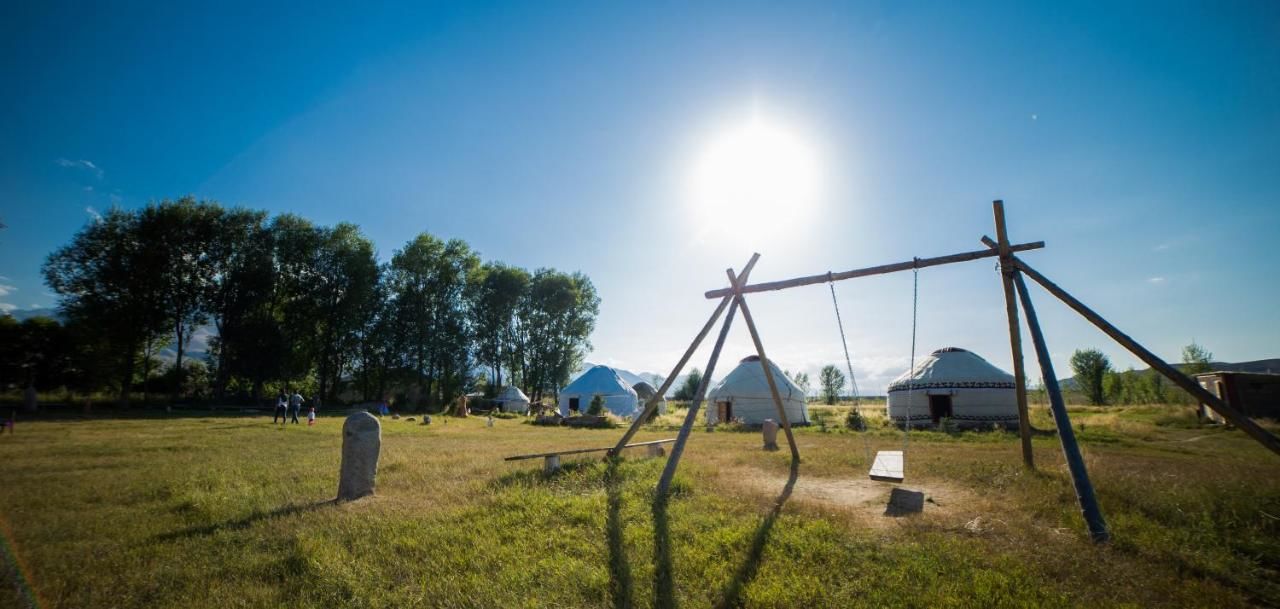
x=231 y=511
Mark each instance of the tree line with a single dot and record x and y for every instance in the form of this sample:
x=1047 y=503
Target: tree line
x=293 y=304
x=1101 y=384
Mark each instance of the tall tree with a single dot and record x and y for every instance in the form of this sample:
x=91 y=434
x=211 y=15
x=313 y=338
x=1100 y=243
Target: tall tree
x=428 y=279
x=557 y=317
x=496 y=297
x=240 y=287
x=832 y=381
x=689 y=388
x=110 y=291
x=346 y=280
x=1196 y=359
x=1091 y=368
x=178 y=239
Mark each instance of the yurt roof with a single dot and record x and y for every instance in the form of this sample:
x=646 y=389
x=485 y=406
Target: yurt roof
x=748 y=380
x=599 y=379
x=953 y=367
x=513 y=394
x=644 y=390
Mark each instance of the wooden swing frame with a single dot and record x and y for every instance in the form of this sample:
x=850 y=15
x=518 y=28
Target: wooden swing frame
x=1012 y=268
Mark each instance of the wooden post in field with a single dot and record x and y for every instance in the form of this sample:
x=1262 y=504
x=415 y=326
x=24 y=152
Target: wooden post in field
x=1232 y=415
x=652 y=403
x=764 y=362
x=677 y=449
x=1007 y=269
x=1070 y=449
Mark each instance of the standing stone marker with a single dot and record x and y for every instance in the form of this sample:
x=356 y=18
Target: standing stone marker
x=770 y=429
x=361 y=442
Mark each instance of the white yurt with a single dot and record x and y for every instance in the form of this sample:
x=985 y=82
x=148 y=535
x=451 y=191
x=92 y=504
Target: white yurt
x=744 y=396
x=619 y=398
x=954 y=384
x=645 y=392
x=513 y=400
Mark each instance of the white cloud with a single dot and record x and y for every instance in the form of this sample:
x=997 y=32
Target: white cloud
x=81 y=164
x=6 y=307
x=93 y=213
x=1155 y=280
x=1160 y=248
x=6 y=289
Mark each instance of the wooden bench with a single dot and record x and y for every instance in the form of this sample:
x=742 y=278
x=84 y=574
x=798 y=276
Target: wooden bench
x=551 y=461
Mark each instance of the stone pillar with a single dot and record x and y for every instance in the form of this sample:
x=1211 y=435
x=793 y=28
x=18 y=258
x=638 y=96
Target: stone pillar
x=361 y=443
x=656 y=450
x=770 y=429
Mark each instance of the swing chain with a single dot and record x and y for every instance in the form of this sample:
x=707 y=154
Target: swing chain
x=848 y=362
x=911 y=382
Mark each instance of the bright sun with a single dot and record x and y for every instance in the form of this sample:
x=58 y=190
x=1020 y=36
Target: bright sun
x=755 y=177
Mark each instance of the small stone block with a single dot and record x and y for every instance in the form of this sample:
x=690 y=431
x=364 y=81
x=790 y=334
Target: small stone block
x=657 y=450
x=551 y=464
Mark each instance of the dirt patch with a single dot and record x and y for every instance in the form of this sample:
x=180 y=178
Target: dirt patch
x=879 y=502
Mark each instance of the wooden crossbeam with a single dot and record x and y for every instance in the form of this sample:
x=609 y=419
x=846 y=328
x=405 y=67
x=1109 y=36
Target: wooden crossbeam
x=584 y=450
x=918 y=263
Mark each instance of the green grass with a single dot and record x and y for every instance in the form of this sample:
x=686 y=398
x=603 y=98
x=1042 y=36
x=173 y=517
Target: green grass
x=231 y=511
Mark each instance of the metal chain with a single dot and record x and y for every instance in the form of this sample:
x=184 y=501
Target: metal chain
x=853 y=381
x=911 y=381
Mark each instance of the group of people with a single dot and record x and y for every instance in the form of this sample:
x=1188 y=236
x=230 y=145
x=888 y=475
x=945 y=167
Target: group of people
x=292 y=404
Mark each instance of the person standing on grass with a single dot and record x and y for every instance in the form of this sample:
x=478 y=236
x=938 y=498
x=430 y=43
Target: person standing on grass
x=282 y=404
x=296 y=403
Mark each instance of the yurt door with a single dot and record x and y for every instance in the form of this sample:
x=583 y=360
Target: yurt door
x=939 y=407
x=573 y=404
x=724 y=412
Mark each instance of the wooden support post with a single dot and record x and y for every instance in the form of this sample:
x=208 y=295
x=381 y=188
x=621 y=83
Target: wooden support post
x=677 y=449
x=1015 y=334
x=652 y=403
x=1070 y=449
x=1236 y=417
x=764 y=362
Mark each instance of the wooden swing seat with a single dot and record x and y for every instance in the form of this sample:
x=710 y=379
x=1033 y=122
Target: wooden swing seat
x=888 y=466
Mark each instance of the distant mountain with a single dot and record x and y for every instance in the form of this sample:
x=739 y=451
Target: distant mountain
x=24 y=314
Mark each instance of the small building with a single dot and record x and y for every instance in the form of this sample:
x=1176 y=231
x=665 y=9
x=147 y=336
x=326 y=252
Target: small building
x=744 y=396
x=619 y=398
x=954 y=384
x=513 y=400
x=1256 y=394
x=645 y=392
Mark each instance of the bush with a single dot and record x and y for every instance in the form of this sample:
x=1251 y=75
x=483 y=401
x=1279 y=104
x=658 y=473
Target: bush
x=854 y=420
x=596 y=407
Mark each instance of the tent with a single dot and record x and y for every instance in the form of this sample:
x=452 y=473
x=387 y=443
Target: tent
x=619 y=398
x=744 y=396
x=513 y=400
x=645 y=392
x=958 y=385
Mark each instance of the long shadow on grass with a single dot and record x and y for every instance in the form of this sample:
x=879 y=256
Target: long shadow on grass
x=747 y=572
x=621 y=589
x=663 y=574
x=243 y=523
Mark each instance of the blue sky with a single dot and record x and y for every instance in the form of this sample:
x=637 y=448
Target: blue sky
x=1140 y=141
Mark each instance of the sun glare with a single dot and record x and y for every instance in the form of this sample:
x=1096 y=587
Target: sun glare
x=755 y=176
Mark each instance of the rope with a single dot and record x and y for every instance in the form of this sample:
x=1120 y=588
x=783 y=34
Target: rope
x=853 y=382
x=911 y=382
